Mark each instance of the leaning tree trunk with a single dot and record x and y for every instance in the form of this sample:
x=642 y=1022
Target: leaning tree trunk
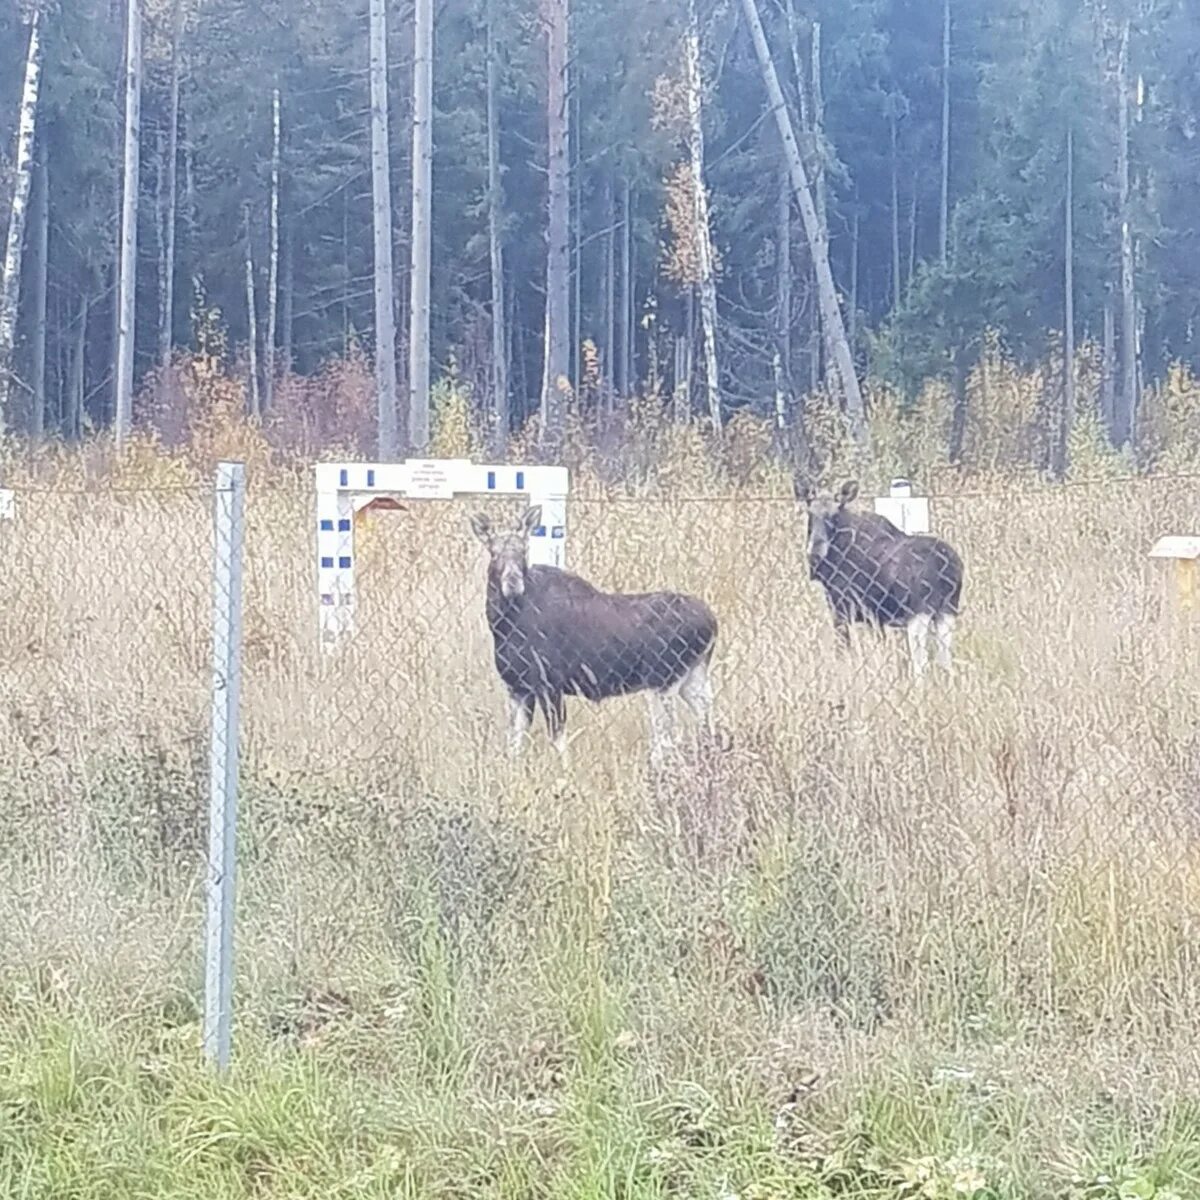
x=706 y=282
x=1126 y=406
x=499 y=414
x=558 y=282
x=272 y=259
x=10 y=285
x=385 y=313
x=127 y=281
x=837 y=346
x=166 y=283
x=422 y=227
x=818 y=152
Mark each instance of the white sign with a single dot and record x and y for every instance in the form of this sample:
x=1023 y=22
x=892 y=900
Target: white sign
x=1176 y=547
x=431 y=478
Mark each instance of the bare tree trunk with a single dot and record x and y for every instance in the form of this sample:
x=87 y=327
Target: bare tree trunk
x=500 y=424
x=610 y=293
x=166 y=279
x=1126 y=408
x=123 y=417
x=41 y=263
x=10 y=285
x=1068 y=409
x=624 y=325
x=557 y=359
x=287 y=300
x=272 y=257
x=818 y=145
x=895 y=220
x=706 y=282
x=73 y=409
x=837 y=347
x=381 y=191
x=781 y=359
x=577 y=253
x=252 y=322
x=944 y=211
x=1108 y=369
x=912 y=230
x=422 y=227
x=783 y=276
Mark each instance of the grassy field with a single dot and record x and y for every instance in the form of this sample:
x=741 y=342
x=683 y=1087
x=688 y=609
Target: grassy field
x=865 y=943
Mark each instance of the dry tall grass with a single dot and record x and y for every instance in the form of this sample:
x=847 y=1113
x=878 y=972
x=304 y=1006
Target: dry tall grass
x=957 y=926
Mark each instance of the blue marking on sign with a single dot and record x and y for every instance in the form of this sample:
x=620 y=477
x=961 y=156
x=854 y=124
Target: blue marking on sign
x=540 y=531
x=491 y=480
x=370 y=479
x=344 y=524
x=344 y=477
x=326 y=524
x=326 y=597
x=326 y=562
x=344 y=561
x=520 y=481
x=558 y=531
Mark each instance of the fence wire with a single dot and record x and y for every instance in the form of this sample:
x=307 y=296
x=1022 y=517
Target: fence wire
x=710 y=682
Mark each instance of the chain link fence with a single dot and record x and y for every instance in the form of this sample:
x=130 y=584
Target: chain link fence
x=846 y=832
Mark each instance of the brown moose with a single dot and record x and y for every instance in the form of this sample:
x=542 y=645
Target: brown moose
x=555 y=635
x=878 y=575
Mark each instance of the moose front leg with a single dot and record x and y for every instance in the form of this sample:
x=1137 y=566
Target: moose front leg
x=555 y=709
x=520 y=717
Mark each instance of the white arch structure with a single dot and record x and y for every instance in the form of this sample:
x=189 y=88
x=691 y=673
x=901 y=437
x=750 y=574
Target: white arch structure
x=345 y=488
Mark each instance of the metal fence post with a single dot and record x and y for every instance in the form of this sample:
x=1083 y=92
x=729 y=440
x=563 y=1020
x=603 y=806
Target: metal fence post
x=229 y=530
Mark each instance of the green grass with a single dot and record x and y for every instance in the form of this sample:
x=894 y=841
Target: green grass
x=488 y=1007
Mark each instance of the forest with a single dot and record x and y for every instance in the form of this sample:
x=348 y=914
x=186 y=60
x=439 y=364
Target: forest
x=601 y=207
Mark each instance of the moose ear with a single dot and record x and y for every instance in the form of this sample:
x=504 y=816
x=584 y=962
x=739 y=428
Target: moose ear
x=802 y=490
x=848 y=492
x=531 y=518
x=481 y=527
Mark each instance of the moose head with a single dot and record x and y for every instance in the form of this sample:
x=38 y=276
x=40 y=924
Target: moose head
x=508 y=549
x=822 y=512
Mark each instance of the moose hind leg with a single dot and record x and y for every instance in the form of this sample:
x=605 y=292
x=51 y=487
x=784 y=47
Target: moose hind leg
x=918 y=648
x=520 y=717
x=943 y=639
x=662 y=726
x=696 y=691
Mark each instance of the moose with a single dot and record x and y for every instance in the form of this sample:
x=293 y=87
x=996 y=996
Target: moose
x=555 y=635
x=878 y=575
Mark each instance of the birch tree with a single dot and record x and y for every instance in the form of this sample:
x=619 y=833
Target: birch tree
x=499 y=408
x=272 y=256
x=704 y=250
x=1126 y=407
x=166 y=283
x=944 y=210
x=837 y=346
x=381 y=190
x=127 y=278
x=422 y=218
x=10 y=286
x=556 y=363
